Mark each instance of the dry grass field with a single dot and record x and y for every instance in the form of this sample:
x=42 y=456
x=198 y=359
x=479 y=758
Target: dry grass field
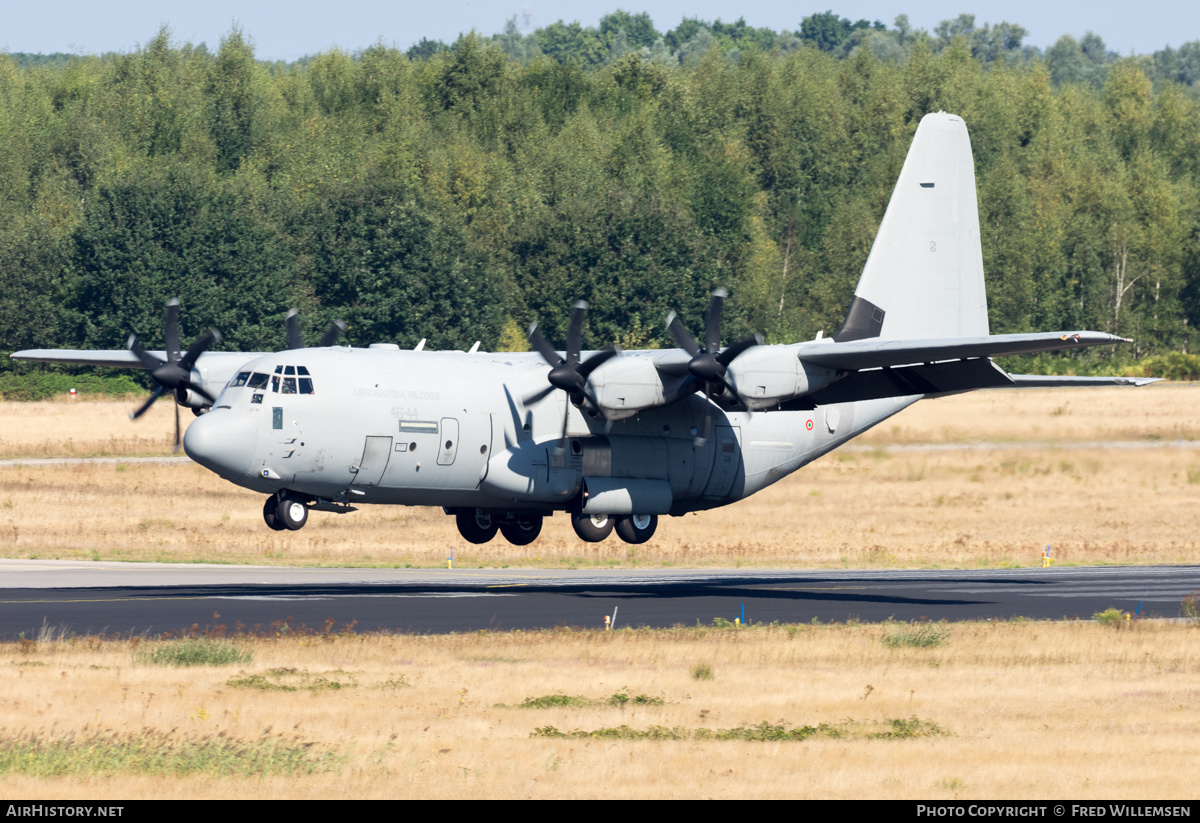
x=983 y=710
x=997 y=710
x=982 y=480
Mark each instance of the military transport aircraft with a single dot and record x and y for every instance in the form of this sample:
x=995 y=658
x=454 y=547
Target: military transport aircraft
x=614 y=438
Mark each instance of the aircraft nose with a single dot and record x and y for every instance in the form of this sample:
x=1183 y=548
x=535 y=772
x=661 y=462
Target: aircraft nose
x=222 y=442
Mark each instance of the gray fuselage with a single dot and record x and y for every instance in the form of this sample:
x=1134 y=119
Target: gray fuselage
x=452 y=429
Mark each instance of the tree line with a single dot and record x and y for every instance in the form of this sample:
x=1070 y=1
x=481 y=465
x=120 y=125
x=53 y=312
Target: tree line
x=463 y=192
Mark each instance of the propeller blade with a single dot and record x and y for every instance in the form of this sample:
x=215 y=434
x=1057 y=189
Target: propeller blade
x=294 y=340
x=171 y=324
x=730 y=354
x=543 y=347
x=536 y=396
x=157 y=393
x=335 y=330
x=202 y=344
x=561 y=448
x=597 y=360
x=175 y=450
x=147 y=360
x=682 y=336
x=712 y=321
x=706 y=434
x=575 y=331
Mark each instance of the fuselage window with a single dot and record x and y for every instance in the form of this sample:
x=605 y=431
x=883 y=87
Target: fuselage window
x=279 y=369
x=289 y=385
x=274 y=382
x=302 y=370
x=241 y=379
x=289 y=370
x=257 y=381
x=256 y=399
x=306 y=386
x=423 y=426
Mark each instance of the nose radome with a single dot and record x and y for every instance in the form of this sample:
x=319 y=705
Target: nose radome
x=223 y=442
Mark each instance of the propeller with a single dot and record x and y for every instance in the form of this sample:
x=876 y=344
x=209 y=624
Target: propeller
x=295 y=341
x=710 y=363
x=568 y=374
x=174 y=373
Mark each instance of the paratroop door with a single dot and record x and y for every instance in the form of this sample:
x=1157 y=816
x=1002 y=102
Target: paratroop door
x=376 y=453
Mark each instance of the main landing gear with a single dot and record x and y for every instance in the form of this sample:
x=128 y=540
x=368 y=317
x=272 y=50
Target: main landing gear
x=632 y=528
x=478 y=526
x=521 y=528
x=285 y=511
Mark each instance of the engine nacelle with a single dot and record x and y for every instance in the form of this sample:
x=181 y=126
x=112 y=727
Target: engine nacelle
x=765 y=376
x=625 y=386
x=193 y=400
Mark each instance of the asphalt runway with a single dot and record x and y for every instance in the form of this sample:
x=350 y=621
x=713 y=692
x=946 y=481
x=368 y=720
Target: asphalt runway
x=134 y=598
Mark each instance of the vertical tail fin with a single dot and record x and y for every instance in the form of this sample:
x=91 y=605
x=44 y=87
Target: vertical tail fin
x=924 y=276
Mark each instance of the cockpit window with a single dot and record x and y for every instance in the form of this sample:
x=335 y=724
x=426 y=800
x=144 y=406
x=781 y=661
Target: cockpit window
x=240 y=380
x=278 y=382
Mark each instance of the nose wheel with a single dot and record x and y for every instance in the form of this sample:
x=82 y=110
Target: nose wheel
x=269 y=509
x=286 y=512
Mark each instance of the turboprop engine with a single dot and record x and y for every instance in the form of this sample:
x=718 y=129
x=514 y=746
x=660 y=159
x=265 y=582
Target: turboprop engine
x=765 y=376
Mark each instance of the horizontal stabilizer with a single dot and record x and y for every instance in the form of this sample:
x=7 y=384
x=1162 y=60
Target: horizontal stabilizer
x=1038 y=381
x=874 y=353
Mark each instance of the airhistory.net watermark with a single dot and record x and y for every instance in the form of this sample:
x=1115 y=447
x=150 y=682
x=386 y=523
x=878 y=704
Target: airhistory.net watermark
x=44 y=810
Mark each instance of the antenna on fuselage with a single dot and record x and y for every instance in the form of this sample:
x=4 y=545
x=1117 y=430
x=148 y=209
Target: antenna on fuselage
x=420 y=345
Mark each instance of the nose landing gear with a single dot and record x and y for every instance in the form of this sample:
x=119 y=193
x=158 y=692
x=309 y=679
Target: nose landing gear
x=285 y=511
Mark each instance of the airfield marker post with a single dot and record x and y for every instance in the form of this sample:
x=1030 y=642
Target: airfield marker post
x=450 y=560
x=1046 y=558
x=607 y=624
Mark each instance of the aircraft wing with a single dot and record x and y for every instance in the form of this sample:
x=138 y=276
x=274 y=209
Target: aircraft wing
x=120 y=359
x=932 y=380
x=872 y=353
